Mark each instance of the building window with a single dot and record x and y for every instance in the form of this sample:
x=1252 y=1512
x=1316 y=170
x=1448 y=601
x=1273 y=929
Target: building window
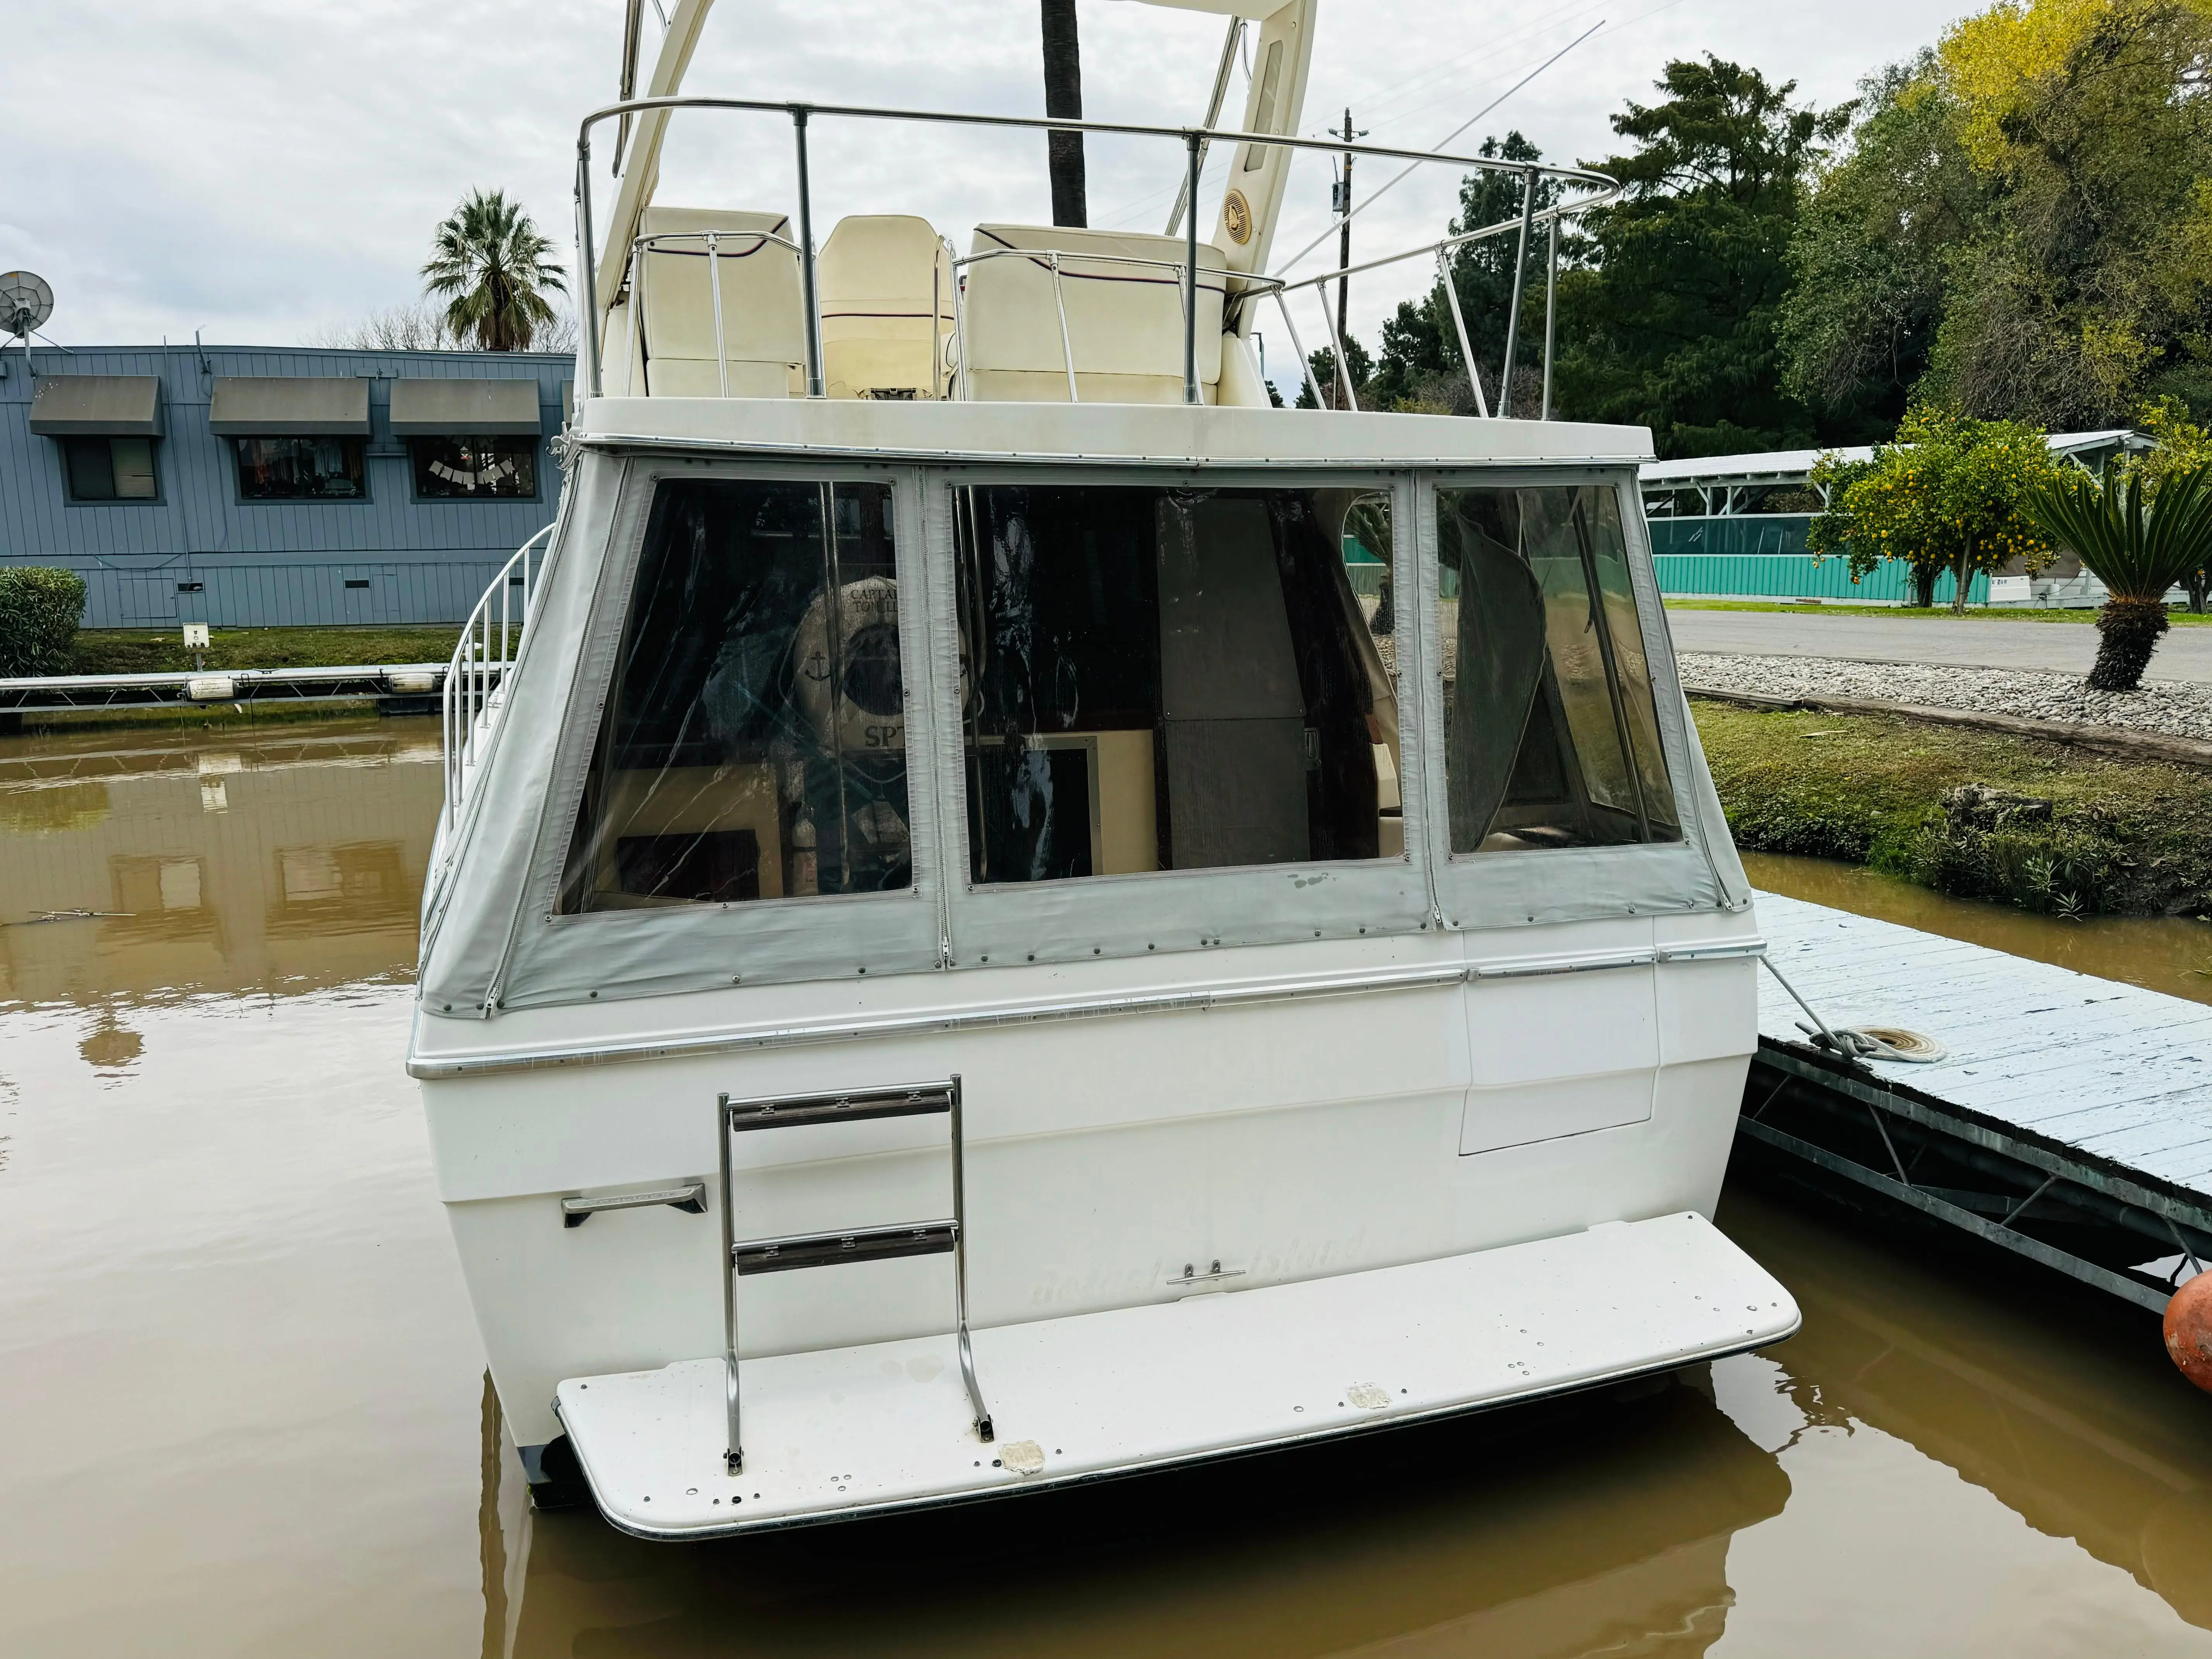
x=109 y=469
x=300 y=469
x=476 y=468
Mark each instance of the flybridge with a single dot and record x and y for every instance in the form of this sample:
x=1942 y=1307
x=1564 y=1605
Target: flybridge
x=1225 y=295
x=713 y=302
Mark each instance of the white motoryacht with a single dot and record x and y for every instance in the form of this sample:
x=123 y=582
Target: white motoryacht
x=1019 y=915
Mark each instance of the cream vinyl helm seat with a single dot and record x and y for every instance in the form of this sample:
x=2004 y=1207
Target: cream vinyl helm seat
x=1125 y=329
x=763 y=312
x=886 y=288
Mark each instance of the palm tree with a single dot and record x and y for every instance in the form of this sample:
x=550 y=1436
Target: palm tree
x=492 y=265
x=2139 y=542
x=1063 y=100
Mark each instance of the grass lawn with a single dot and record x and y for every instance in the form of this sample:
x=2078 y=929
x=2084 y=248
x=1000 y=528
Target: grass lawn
x=146 y=651
x=1939 y=613
x=2095 y=835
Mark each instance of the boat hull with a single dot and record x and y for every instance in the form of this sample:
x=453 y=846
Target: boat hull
x=1292 y=1113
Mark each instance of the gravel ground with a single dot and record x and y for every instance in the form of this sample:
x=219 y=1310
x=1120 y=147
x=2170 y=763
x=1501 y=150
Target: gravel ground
x=2176 y=710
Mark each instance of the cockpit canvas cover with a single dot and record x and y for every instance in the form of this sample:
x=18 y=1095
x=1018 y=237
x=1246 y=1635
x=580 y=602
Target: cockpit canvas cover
x=494 y=935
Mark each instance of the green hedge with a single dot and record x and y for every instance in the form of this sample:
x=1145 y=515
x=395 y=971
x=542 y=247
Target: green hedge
x=40 y=610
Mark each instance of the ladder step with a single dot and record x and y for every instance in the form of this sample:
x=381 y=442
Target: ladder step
x=776 y=1256
x=839 y=1108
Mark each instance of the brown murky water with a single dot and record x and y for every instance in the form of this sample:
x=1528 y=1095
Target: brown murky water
x=242 y=1408
x=2173 y=954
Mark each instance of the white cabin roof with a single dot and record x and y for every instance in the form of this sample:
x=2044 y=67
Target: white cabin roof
x=1176 y=433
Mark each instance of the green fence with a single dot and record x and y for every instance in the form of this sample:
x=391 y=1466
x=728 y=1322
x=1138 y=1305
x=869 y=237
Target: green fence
x=1800 y=577
x=1753 y=557
x=1762 y=556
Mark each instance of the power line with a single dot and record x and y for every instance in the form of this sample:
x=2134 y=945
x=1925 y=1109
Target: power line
x=1138 y=207
x=1409 y=166
x=1382 y=100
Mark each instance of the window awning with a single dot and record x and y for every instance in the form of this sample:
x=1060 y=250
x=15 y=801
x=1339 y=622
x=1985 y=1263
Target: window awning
x=439 y=409
x=289 y=407
x=97 y=406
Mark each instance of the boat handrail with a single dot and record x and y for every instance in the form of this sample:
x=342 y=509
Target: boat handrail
x=1195 y=141
x=1441 y=249
x=474 y=678
x=634 y=271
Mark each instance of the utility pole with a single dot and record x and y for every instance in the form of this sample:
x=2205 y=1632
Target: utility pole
x=1343 y=205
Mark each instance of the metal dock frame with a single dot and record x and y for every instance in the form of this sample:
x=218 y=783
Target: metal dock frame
x=2011 y=1172
x=879 y=1244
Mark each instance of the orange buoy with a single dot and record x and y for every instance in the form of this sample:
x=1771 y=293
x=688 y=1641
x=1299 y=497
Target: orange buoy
x=2188 y=1330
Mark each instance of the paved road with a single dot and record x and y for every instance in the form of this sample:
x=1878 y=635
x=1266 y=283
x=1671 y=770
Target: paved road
x=2185 y=654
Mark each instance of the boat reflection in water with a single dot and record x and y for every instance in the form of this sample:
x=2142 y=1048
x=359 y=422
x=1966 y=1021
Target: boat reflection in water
x=279 y=857
x=1588 y=1527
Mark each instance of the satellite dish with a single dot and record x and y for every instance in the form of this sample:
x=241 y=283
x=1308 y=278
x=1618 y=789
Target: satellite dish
x=26 y=302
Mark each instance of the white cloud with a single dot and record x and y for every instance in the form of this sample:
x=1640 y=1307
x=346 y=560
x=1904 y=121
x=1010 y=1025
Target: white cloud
x=263 y=170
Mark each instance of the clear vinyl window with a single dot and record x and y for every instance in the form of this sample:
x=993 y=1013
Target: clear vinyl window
x=754 y=742
x=1159 y=678
x=1551 y=732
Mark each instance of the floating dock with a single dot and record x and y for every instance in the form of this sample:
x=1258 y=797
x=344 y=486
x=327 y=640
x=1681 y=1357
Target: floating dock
x=2069 y=1119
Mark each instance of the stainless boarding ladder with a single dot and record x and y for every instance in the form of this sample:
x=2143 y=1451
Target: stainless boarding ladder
x=796 y=1250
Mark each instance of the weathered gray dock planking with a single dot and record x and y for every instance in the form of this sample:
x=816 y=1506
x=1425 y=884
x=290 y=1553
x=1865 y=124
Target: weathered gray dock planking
x=2071 y=1120
x=2118 y=1072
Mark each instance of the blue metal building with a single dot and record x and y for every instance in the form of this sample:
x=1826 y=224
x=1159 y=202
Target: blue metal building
x=265 y=486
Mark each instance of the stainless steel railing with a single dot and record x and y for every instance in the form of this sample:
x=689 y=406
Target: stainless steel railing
x=1195 y=140
x=475 y=678
x=1524 y=224
x=1051 y=257
x=637 y=268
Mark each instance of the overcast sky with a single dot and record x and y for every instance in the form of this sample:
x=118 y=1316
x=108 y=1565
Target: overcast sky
x=263 y=171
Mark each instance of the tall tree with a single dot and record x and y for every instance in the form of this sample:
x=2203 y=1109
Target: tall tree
x=494 y=269
x=1673 y=325
x=1323 y=364
x=2023 y=226
x=2089 y=120
x=1871 y=255
x=1063 y=100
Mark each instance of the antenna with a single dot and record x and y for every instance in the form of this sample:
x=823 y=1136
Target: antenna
x=26 y=302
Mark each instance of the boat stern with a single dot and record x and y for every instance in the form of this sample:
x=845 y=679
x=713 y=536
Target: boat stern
x=840 y=1433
